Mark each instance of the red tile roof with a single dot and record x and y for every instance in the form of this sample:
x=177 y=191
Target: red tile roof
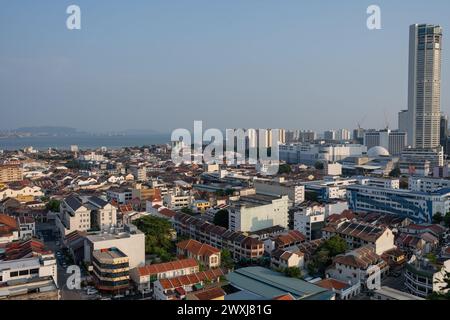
x=197 y=248
x=331 y=284
x=154 y=269
x=191 y=279
x=29 y=248
x=7 y=225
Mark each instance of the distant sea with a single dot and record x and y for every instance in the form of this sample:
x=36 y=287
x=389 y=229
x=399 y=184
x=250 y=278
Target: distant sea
x=83 y=141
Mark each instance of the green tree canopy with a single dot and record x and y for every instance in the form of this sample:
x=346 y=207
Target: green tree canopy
x=447 y=219
x=324 y=255
x=53 y=205
x=293 y=272
x=284 y=168
x=157 y=236
x=226 y=259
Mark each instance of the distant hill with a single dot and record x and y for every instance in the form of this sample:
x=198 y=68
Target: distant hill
x=140 y=132
x=49 y=130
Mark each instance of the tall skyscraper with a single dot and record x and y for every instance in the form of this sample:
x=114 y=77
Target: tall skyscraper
x=444 y=133
x=422 y=120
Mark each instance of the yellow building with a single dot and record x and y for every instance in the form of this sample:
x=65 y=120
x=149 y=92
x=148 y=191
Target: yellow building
x=10 y=173
x=111 y=270
x=201 y=205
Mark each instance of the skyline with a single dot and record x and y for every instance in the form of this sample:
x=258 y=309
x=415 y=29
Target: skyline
x=246 y=61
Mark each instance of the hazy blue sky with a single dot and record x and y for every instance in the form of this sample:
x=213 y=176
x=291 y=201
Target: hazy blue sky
x=161 y=64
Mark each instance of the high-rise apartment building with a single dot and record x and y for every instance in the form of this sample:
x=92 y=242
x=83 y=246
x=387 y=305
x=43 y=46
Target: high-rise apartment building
x=422 y=119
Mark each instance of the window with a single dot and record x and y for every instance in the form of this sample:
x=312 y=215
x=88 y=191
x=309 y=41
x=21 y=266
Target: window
x=23 y=272
x=13 y=274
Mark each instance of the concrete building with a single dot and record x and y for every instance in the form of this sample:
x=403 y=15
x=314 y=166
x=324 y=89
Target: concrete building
x=417 y=206
x=28 y=268
x=393 y=141
x=427 y=184
x=178 y=201
x=280 y=187
x=241 y=246
x=11 y=173
x=309 y=154
x=119 y=195
x=309 y=220
x=129 y=240
x=144 y=276
x=358 y=234
x=139 y=172
x=422 y=120
x=111 y=270
x=85 y=213
x=256 y=212
x=435 y=156
x=422 y=278
x=332 y=169
x=358 y=267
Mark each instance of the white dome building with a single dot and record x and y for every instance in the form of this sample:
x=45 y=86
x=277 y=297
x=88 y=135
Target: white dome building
x=377 y=152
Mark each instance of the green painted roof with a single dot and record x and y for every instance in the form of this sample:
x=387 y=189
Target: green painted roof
x=269 y=284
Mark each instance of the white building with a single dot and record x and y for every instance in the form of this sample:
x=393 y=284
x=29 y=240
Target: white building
x=311 y=153
x=359 y=266
x=25 y=191
x=178 y=201
x=280 y=187
x=422 y=119
x=417 y=206
x=128 y=239
x=422 y=278
x=427 y=184
x=332 y=169
x=28 y=268
x=393 y=141
x=85 y=213
x=256 y=212
x=310 y=219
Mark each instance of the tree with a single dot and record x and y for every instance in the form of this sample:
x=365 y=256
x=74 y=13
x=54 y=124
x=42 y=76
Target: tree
x=447 y=219
x=293 y=272
x=319 y=165
x=395 y=173
x=188 y=211
x=432 y=258
x=157 y=236
x=325 y=253
x=53 y=205
x=438 y=218
x=335 y=245
x=221 y=218
x=226 y=259
x=284 y=168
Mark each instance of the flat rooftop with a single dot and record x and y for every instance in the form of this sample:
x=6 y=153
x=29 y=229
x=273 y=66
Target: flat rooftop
x=255 y=200
x=107 y=254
